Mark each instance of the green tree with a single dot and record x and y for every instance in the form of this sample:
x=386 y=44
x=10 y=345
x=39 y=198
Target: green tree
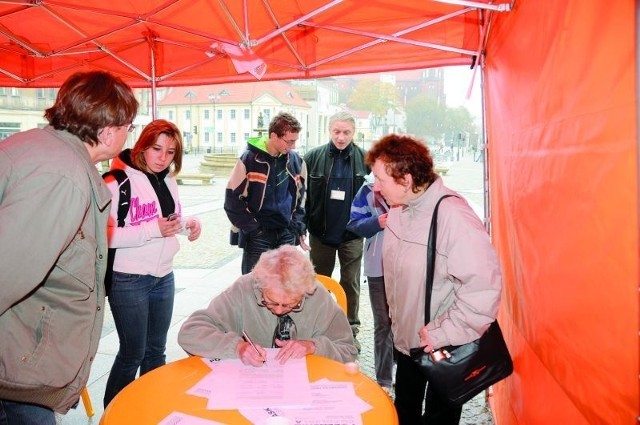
x=374 y=96
x=426 y=119
x=437 y=123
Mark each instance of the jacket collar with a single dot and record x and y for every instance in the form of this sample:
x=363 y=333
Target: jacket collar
x=334 y=151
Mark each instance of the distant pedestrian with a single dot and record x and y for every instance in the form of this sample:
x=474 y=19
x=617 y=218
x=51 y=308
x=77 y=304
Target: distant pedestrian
x=54 y=208
x=264 y=199
x=336 y=172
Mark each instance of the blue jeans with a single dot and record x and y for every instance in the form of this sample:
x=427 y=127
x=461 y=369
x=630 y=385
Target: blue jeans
x=323 y=258
x=15 y=413
x=142 y=306
x=382 y=336
x=265 y=240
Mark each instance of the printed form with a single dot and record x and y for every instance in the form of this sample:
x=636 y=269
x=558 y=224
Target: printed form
x=274 y=390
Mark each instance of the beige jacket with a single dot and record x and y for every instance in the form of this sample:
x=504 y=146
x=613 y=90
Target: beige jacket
x=467 y=279
x=53 y=250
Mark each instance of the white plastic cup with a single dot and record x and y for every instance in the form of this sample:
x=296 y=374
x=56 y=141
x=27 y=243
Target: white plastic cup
x=351 y=368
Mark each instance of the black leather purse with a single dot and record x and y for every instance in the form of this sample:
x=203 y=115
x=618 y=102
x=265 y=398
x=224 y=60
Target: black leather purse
x=459 y=373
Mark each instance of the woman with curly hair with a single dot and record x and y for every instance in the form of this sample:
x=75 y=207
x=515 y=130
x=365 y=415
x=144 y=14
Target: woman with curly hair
x=467 y=278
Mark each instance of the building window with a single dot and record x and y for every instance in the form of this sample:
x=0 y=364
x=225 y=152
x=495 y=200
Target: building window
x=246 y=136
x=40 y=94
x=187 y=114
x=267 y=116
x=219 y=138
x=207 y=138
x=8 y=128
x=170 y=115
x=14 y=92
x=219 y=114
x=247 y=114
x=233 y=138
x=206 y=114
x=232 y=114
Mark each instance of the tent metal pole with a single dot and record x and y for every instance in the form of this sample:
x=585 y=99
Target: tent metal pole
x=153 y=83
x=503 y=7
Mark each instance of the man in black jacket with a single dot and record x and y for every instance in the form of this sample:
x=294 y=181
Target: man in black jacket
x=336 y=171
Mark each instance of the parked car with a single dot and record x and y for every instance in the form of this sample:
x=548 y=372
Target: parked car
x=441 y=164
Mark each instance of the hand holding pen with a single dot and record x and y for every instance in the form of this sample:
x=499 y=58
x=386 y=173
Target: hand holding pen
x=250 y=353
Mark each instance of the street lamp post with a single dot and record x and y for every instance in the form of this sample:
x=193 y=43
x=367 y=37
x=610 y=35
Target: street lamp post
x=213 y=97
x=190 y=95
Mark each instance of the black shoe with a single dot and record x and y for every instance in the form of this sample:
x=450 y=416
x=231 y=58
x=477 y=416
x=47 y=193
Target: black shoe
x=356 y=343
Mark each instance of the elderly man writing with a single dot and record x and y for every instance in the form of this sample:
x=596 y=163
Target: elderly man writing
x=279 y=304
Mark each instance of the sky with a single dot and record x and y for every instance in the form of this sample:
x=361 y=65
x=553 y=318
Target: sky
x=456 y=85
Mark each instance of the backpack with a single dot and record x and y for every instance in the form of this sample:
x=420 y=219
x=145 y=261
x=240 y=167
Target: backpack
x=124 y=196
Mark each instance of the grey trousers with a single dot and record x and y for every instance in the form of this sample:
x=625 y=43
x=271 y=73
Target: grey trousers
x=382 y=335
x=349 y=253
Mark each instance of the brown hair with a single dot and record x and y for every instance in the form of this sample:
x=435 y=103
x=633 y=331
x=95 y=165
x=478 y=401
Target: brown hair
x=89 y=101
x=402 y=155
x=148 y=138
x=283 y=123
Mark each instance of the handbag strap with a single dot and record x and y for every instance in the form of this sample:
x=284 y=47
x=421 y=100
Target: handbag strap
x=431 y=259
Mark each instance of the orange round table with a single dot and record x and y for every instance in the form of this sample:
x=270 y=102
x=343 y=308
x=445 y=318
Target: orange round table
x=152 y=397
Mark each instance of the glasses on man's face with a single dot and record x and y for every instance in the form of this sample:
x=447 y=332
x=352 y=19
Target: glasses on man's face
x=288 y=142
x=291 y=306
x=130 y=128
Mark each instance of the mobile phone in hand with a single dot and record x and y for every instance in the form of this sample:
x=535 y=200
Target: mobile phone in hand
x=173 y=216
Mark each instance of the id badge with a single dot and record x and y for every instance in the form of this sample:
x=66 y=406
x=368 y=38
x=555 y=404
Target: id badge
x=338 y=195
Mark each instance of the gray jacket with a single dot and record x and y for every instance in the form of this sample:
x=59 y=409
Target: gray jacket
x=467 y=279
x=215 y=332
x=53 y=250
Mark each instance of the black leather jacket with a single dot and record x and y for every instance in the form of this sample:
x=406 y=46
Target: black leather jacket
x=319 y=163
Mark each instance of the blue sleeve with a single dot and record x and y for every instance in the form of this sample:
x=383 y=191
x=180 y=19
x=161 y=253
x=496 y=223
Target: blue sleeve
x=299 y=213
x=364 y=219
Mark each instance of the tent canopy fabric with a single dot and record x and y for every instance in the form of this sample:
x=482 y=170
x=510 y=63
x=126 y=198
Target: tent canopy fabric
x=155 y=43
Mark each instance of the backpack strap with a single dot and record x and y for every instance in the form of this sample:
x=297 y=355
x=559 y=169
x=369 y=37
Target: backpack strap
x=124 y=193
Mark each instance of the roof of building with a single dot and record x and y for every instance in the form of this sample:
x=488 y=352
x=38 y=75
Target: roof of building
x=233 y=93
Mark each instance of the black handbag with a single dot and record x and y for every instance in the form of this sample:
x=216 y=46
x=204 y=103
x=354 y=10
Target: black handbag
x=459 y=373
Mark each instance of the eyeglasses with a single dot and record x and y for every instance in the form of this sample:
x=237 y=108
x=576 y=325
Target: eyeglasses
x=293 y=306
x=131 y=127
x=288 y=142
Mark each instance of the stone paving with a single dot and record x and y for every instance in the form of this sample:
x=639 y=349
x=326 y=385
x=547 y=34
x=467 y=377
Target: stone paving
x=204 y=268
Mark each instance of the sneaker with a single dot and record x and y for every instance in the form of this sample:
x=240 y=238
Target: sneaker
x=356 y=343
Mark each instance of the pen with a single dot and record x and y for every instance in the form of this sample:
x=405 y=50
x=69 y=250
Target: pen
x=246 y=338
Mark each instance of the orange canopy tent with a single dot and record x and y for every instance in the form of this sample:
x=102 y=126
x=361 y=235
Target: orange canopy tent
x=186 y=42
x=560 y=89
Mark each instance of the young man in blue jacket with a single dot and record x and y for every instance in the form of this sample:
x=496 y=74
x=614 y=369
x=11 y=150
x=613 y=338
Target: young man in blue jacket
x=264 y=199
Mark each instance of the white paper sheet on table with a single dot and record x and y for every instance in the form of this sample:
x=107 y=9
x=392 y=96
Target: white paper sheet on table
x=333 y=403
x=180 y=418
x=232 y=385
